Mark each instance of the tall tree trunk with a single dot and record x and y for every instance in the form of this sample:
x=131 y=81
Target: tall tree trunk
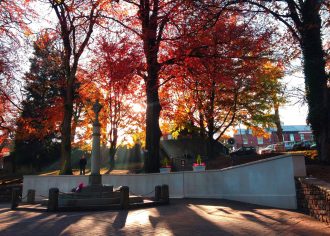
x=76 y=115
x=201 y=125
x=112 y=154
x=279 y=130
x=210 y=146
x=113 y=148
x=73 y=130
x=66 y=132
x=210 y=124
x=151 y=42
x=315 y=78
x=153 y=132
x=75 y=36
x=202 y=130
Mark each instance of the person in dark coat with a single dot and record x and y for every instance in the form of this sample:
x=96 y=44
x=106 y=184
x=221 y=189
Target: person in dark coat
x=82 y=164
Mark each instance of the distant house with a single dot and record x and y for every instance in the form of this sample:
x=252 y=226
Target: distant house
x=296 y=133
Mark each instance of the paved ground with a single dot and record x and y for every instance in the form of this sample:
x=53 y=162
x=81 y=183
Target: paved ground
x=182 y=217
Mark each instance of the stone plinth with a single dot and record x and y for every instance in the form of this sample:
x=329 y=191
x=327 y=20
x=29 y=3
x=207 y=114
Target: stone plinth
x=95 y=179
x=98 y=196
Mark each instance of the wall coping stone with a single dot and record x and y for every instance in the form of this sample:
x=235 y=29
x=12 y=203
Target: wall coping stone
x=316 y=182
x=182 y=172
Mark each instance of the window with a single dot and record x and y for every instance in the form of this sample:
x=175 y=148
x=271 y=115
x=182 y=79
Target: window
x=302 y=137
x=291 y=137
x=260 y=140
x=245 y=139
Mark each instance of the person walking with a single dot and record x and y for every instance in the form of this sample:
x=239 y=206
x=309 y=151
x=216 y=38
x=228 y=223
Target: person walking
x=82 y=164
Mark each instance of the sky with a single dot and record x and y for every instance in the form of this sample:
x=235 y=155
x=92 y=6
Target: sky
x=294 y=112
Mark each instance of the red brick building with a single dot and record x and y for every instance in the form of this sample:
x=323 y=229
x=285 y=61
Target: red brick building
x=294 y=133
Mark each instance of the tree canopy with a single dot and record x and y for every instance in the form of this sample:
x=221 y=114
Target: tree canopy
x=157 y=67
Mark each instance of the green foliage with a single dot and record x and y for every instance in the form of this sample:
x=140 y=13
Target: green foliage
x=271 y=94
x=199 y=159
x=36 y=153
x=165 y=162
x=37 y=135
x=184 y=129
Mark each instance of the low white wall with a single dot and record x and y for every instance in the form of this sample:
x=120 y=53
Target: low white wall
x=268 y=182
x=145 y=183
x=42 y=184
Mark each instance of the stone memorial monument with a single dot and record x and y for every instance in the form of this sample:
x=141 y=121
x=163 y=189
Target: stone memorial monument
x=95 y=195
x=95 y=179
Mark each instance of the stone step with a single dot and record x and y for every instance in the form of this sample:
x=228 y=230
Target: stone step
x=146 y=203
x=87 y=202
x=6 y=190
x=97 y=189
x=81 y=202
x=81 y=195
x=143 y=204
x=135 y=203
x=92 y=207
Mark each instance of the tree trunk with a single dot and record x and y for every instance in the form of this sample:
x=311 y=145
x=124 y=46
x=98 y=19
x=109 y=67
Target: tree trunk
x=153 y=132
x=279 y=131
x=152 y=30
x=113 y=147
x=201 y=125
x=210 y=142
x=112 y=154
x=315 y=78
x=210 y=124
x=76 y=115
x=66 y=132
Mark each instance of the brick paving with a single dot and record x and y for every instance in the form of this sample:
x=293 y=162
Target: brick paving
x=182 y=217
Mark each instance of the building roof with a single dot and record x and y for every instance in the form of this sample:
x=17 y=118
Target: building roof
x=296 y=128
x=286 y=128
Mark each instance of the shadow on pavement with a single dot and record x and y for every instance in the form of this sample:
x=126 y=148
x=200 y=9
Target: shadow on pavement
x=181 y=217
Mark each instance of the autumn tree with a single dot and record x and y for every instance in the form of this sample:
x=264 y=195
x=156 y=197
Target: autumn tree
x=116 y=66
x=5 y=124
x=221 y=79
x=13 y=26
x=77 y=20
x=303 y=21
x=156 y=23
x=272 y=73
x=38 y=126
x=87 y=92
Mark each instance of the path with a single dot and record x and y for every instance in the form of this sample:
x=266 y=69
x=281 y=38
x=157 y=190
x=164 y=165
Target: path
x=181 y=217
